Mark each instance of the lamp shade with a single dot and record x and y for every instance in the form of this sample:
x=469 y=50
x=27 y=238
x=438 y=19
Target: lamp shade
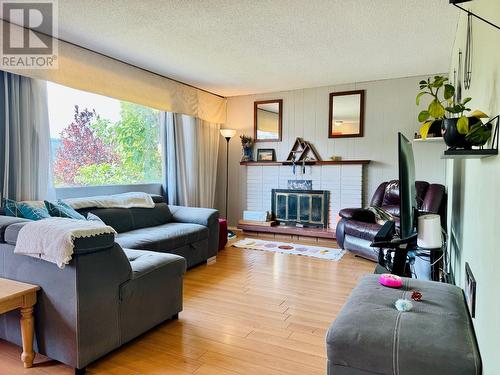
x=228 y=133
x=429 y=232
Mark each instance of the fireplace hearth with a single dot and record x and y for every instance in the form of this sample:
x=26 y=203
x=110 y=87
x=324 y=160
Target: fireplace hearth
x=301 y=208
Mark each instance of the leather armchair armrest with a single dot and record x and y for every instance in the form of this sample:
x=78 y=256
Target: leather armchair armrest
x=360 y=214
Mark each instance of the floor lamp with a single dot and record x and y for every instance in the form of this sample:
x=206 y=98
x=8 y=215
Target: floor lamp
x=228 y=134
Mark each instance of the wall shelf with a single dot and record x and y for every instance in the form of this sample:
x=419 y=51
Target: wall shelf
x=309 y=163
x=469 y=154
x=323 y=233
x=429 y=139
x=477 y=153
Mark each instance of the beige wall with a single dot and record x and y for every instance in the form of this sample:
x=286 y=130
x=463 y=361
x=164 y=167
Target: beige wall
x=474 y=189
x=390 y=107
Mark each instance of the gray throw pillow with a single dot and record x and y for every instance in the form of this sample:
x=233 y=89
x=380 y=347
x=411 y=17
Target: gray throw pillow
x=93 y=217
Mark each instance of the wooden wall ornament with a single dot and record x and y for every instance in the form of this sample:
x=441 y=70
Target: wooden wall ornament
x=303 y=151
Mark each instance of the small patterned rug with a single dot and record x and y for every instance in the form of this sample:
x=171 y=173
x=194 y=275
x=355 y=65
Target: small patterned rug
x=291 y=248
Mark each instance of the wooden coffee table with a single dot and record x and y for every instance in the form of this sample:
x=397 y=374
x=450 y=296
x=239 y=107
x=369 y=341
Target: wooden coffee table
x=16 y=295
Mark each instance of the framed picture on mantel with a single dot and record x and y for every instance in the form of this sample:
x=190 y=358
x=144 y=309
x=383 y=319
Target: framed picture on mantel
x=266 y=154
x=346 y=115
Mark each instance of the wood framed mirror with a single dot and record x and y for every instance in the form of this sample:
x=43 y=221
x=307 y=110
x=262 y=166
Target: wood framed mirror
x=346 y=115
x=268 y=119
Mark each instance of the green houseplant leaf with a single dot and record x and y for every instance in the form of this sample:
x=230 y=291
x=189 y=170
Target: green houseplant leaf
x=420 y=94
x=436 y=109
x=478 y=114
x=423 y=116
x=424 y=129
x=449 y=91
x=457 y=108
x=463 y=125
x=478 y=134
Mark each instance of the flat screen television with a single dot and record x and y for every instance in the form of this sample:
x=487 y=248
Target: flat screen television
x=407 y=206
x=407 y=192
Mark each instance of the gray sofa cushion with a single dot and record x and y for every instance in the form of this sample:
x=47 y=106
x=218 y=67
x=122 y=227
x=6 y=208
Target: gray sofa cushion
x=164 y=237
x=127 y=219
x=143 y=261
x=370 y=336
x=153 y=294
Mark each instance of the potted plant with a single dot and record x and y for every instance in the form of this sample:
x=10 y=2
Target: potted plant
x=246 y=143
x=458 y=130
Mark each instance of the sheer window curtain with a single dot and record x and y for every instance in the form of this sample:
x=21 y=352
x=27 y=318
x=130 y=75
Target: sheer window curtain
x=189 y=152
x=25 y=139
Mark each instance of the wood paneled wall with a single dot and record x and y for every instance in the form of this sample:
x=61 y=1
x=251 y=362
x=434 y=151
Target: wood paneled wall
x=390 y=107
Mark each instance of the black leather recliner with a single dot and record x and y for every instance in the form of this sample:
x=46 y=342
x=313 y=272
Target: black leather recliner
x=358 y=227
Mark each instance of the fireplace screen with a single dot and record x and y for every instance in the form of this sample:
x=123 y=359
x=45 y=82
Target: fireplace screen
x=307 y=208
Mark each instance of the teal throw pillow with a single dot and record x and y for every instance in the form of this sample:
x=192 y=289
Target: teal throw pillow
x=33 y=213
x=11 y=208
x=61 y=209
x=93 y=217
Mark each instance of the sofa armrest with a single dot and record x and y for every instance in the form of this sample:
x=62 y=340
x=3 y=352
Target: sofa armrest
x=194 y=215
x=83 y=245
x=6 y=221
x=203 y=216
x=359 y=214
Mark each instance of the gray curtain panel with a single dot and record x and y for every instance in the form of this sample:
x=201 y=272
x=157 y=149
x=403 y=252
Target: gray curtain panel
x=189 y=152
x=24 y=138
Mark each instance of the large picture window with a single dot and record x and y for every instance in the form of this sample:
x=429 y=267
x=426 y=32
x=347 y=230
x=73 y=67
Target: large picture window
x=97 y=140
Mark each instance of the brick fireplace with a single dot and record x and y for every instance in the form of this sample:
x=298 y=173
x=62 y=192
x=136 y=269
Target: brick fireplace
x=343 y=182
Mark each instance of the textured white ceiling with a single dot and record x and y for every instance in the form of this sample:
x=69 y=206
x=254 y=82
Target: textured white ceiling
x=235 y=47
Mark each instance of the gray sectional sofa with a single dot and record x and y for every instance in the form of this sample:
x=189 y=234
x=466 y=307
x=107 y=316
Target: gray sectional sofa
x=114 y=289
x=192 y=233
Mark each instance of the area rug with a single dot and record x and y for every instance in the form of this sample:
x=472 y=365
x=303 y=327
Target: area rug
x=291 y=248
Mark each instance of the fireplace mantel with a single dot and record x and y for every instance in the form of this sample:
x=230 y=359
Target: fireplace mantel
x=308 y=163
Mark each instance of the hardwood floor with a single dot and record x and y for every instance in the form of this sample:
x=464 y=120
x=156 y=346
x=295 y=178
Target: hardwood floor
x=249 y=313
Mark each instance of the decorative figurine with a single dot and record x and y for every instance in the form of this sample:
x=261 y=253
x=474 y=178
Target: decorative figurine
x=403 y=305
x=390 y=280
x=416 y=295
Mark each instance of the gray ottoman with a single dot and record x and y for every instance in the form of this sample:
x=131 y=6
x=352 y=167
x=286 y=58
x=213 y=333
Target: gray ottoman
x=370 y=336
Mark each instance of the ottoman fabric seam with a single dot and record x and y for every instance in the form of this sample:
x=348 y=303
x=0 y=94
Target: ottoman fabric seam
x=395 y=346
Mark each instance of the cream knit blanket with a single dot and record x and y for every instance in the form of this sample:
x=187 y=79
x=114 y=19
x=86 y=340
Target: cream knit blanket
x=124 y=200
x=52 y=239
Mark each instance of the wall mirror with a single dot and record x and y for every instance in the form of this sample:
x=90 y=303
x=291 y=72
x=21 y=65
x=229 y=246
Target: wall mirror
x=268 y=117
x=346 y=114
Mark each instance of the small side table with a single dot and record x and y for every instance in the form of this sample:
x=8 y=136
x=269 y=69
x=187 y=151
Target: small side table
x=16 y=295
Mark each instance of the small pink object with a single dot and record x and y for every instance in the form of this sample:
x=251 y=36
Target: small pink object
x=392 y=281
